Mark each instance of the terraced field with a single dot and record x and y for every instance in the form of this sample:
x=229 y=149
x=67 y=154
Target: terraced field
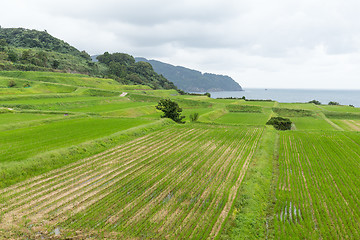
x=318 y=186
x=180 y=182
x=226 y=176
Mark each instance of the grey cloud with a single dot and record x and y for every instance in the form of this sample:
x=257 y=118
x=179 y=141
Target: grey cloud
x=255 y=41
x=143 y=12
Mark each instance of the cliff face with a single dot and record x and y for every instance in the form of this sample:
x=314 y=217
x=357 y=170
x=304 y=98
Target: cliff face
x=191 y=80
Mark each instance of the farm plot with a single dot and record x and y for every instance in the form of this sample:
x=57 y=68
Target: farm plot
x=243 y=118
x=311 y=123
x=318 y=186
x=13 y=118
x=180 y=182
x=349 y=125
x=22 y=143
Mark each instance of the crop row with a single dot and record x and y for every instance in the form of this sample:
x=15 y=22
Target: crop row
x=180 y=182
x=318 y=186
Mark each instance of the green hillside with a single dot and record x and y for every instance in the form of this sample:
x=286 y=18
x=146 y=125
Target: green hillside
x=191 y=80
x=32 y=50
x=26 y=38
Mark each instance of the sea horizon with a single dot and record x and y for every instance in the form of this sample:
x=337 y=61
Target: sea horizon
x=343 y=97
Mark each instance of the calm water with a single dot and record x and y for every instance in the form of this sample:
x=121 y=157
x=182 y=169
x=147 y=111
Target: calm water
x=344 y=97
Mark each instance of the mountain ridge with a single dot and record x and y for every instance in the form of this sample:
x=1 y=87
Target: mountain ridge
x=191 y=80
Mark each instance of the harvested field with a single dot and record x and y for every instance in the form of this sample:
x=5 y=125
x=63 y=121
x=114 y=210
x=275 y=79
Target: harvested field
x=180 y=182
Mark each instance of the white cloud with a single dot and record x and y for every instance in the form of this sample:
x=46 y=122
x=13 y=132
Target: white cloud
x=280 y=43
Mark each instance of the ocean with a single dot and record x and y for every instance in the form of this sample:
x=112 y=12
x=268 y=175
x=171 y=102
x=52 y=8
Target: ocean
x=344 y=97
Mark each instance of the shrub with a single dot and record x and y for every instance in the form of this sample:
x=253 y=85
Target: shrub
x=316 y=102
x=11 y=84
x=280 y=123
x=194 y=117
x=12 y=56
x=333 y=103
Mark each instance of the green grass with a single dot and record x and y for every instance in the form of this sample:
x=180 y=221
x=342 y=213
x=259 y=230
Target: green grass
x=12 y=172
x=348 y=125
x=134 y=110
x=58 y=99
x=65 y=79
x=110 y=106
x=243 y=119
x=15 y=118
x=340 y=108
x=258 y=103
x=212 y=115
x=35 y=87
x=287 y=112
x=342 y=115
x=75 y=104
x=243 y=108
x=311 y=123
x=304 y=106
x=20 y=144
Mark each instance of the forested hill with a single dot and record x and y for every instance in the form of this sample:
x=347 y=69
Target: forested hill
x=26 y=38
x=191 y=80
x=32 y=50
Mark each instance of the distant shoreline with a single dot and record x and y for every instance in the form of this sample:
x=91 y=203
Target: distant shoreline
x=344 y=97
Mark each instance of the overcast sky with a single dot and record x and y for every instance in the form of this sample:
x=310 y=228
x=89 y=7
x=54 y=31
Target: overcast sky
x=259 y=43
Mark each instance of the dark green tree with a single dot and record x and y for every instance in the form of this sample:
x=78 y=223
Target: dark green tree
x=42 y=58
x=85 y=55
x=3 y=44
x=170 y=109
x=13 y=56
x=316 y=102
x=55 y=64
x=26 y=56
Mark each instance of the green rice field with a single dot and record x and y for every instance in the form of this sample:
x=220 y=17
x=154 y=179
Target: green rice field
x=89 y=158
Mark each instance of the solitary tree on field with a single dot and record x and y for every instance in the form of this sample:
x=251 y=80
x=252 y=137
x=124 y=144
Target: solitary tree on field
x=170 y=109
